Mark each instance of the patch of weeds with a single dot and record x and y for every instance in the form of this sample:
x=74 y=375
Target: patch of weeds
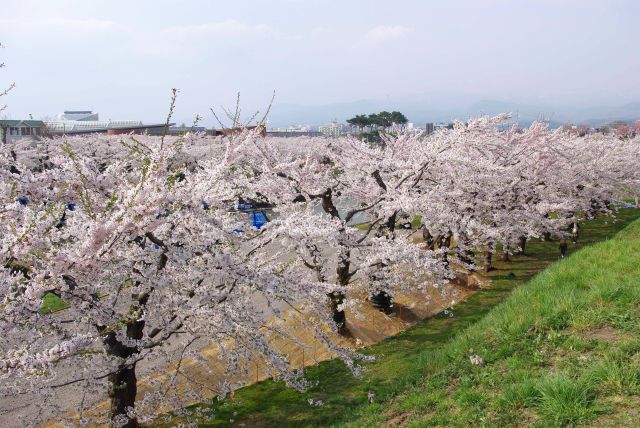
x=519 y=395
x=575 y=343
x=469 y=397
x=422 y=401
x=615 y=375
x=565 y=401
x=621 y=320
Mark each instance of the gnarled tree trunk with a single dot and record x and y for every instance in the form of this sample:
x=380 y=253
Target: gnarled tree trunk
x=505 y=255
x=122 y=393
x=337 y=298
x=487 y=258
x=427 y=238
x=123 y=382
x=344 y=265
x=445 y=242
x=522 y=242
x=382 y=300
x=465 y=254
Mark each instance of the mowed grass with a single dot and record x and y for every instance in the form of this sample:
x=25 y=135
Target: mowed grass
x=562 y=349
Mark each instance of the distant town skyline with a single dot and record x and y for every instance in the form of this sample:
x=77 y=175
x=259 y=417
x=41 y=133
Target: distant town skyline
x=122 y=58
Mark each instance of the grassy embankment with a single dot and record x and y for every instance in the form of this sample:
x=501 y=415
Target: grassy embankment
x=563 y=349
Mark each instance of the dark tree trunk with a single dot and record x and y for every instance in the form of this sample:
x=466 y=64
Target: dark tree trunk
x=122 y=393
x=344 y=276
x=505 y=256
x=523 y=243
x=488 y=266
x=465 y=255
x=123 y=383
x=343 y=269
x=344 y=265
x=391 y=223
x=546 y=236
x=336 y=299
x=428 y=238
x=382 y=302
x=327 y=204
x=445 y=242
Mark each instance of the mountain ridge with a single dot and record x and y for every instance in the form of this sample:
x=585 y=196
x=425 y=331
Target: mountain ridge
x=427 y=109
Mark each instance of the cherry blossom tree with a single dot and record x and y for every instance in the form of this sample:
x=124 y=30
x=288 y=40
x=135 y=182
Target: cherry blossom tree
x=491 y=182
x=628 y=131
x=331 y=182
x=384 y=179
x=498 y=186
x=140 y=247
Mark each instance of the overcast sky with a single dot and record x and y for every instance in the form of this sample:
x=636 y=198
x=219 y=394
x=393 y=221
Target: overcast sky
x=121 y=58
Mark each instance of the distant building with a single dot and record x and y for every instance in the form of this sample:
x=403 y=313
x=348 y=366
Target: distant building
x=429 y=128
x=182 y=129
x=290 y=134
x=294 y=129
x=333 y=129
x=442 y=125
x=227 y=132
x=12 y=130
x=88 y=122
x=82 y=115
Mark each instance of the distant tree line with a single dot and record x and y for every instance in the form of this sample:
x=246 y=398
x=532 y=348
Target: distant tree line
x=378 y=121
x=370 y=125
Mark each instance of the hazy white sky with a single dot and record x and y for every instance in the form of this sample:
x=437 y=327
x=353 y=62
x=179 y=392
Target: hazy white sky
x=121 y=58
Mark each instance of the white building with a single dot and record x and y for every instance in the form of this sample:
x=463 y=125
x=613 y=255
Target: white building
x=333 y=129
x=75 y=126
x=292 y=128
x=84 y=115
x=79 y=121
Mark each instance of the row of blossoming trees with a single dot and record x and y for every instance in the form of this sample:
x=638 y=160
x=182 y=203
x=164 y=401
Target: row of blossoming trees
x=136 y=235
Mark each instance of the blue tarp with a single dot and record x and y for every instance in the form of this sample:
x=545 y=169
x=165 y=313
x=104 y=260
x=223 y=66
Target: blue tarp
x=258 y=219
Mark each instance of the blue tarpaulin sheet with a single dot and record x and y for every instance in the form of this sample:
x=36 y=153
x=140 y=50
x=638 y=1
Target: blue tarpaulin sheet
x=258 y=219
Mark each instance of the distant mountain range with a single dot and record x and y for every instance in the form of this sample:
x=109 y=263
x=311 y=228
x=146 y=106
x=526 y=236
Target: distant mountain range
x=421 y=111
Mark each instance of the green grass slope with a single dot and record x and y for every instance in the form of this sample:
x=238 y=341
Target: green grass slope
x=561 y=349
